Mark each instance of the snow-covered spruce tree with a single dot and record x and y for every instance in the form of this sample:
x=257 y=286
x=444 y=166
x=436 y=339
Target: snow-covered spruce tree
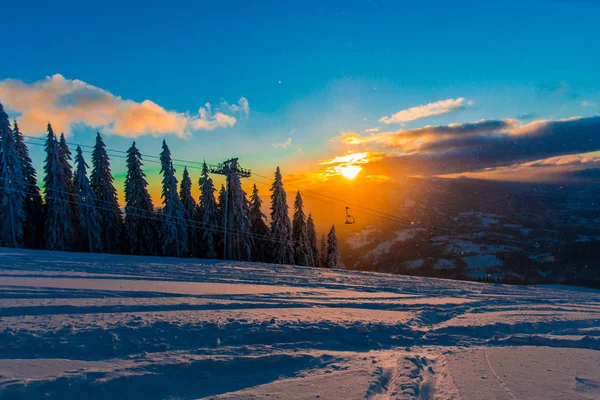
x=12 y=188
x=333 y=251
x=221 y=206
x=302 y=250
x=312 y=241
x=262 y=245
x=65 y=158
x=89 y=218
x=242 y=226
x=174 y=228
x=101 y=181
x=140 y=220
x=222 y=203
x=64 y=155
x=208 y=216
x=33 y=227
x=281 y=227
x=323 y=252
x=190 y=207
x=58 y=229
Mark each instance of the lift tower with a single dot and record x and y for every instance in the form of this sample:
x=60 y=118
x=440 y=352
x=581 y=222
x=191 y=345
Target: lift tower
x=229 y=168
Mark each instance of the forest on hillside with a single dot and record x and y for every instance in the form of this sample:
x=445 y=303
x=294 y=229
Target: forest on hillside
x=77 y=210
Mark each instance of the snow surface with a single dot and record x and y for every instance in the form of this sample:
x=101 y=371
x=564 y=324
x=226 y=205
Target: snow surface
x=361 y=239
x=444 y=264
x=77 y=326
x=482 y=261
x=385 y=247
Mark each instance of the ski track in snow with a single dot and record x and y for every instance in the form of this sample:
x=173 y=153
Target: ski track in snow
x=99 y=326
x=500 y=381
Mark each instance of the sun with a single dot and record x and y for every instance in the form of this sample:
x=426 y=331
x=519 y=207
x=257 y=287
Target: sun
x=350 y=171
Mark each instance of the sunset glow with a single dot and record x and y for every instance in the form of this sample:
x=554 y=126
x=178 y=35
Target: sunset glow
x=350 y=171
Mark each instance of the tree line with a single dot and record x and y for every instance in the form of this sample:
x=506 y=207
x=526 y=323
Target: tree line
x=80 y=211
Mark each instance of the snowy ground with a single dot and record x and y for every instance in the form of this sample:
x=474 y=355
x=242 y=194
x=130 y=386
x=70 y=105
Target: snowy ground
x=77 y=326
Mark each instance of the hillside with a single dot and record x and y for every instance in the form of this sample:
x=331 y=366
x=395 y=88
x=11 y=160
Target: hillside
x=100 y=326
x=498 y=231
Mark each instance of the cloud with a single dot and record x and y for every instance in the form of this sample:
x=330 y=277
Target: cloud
x=350 y=158
x=560 y=89
x=586 y=103
x=337 y=165
x=283 y=145
x=570 y=168
x=372 y=130
x=425 y=110
x=572 y=159
x=70 y=102
x=377 y=178
x=457 y=148
x=528 y=117
x=417 y=139
x=242 y=106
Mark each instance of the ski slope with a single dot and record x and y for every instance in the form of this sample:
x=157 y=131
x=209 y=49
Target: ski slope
x=78 y=326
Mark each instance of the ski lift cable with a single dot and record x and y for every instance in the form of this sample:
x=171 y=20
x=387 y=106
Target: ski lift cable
x=360 y=208
x=186 y=162
x=195 y=224
x=381 y=215
x=364 y=209
x=145 y=157
x=154 y=159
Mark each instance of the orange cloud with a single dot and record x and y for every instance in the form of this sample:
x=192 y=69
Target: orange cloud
x=552 y=169
x=411 y=140
x=377 y=178
x=425 y=110
x=67 y=102
x=348 y=165
x=476 y=147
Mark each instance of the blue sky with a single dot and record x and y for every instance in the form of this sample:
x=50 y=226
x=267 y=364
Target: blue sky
x=309 y=70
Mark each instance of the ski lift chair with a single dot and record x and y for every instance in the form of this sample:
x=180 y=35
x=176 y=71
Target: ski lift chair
x=349 y=218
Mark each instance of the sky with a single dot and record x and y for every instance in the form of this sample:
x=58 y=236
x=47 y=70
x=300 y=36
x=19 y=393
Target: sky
x=335 y=92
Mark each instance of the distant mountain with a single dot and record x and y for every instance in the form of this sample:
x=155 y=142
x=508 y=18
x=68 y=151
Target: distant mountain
x=486 y=230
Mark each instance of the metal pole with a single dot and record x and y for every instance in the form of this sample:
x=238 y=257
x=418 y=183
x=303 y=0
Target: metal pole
x=230 y=255
x=225 y=220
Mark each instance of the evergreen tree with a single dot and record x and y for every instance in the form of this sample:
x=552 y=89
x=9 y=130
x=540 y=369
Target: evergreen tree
x=260 y=230
x=101 y=181
x=33 y=227
x=140 y=220
x=333 y=252
x=281 y=227
x=323 y=252
x=242 y=226
x=208 y=216
x=65 y=158
x=174 y=227
x=222 y=205
x=58 y=228
x=190 y=207
x=302 y=250
x=64 y=155
x=12 y=187
x=89 y=218
x=312 y=241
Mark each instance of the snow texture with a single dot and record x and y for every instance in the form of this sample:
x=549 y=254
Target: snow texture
x=98 y=326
